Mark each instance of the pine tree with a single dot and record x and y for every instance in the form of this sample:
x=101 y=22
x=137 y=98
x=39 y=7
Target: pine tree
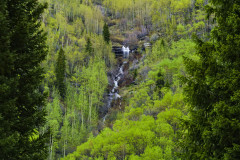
x=89 y=48
x=8 y=112
x=22 y=49
x=106 y=33
x=159 y=83
x=60 y=73
x=213 y=89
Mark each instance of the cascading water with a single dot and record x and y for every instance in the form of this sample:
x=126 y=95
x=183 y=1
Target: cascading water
x=125 y=51
x=114 y=92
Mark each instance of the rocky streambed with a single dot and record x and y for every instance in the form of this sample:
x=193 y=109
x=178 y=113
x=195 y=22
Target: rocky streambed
x=122 y=76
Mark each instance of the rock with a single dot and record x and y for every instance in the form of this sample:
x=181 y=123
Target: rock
x=117 y=50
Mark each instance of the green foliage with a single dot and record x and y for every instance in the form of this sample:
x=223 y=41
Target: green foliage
x=94 y=81
x=22 y=49
x=149 y=126
x=60 y=73
x=54 y=117
x=71 y=121
x=127 y=137
x=181 y=29
x=88 y=47
x=79 y=72
x=212 y=90
x=106 y=33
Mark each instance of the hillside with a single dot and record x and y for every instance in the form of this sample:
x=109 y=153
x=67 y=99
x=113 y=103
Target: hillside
x=122 y=79
x=148 y=94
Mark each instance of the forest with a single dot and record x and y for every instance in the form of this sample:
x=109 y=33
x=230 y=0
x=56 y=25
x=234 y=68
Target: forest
x=120 y=80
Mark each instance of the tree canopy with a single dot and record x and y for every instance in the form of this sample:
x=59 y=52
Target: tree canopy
x=23 y=48
x=212 y=89
x=174 y=96
x=106 y=33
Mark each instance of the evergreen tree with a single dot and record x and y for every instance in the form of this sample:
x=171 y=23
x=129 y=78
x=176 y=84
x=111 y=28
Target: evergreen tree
x=89 y=48
x=60 y=73
x=22 y=49
x=8 y=112
x=213 y=89
x=106 y=33
x=159 y=83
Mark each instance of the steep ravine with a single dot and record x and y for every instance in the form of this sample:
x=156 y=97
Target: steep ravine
x=114 y=93
x=119 y=79
x=112 y=98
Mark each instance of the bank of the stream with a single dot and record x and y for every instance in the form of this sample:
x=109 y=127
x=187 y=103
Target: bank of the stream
x=120 y=79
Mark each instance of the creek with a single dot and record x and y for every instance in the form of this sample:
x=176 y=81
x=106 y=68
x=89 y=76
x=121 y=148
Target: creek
x=114 y=92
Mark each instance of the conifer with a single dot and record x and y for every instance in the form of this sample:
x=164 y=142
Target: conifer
x=89 y=48
x=212 y=89
x=106 y=33
x=22 y=49
x=60 y=73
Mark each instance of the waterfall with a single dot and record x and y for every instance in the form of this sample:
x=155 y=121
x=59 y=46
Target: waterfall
x=125 y=51
x=114 y=93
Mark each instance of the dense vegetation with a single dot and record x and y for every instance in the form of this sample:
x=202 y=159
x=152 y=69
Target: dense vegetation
x=22 y=49
x=213 y=90
x=179 y=89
